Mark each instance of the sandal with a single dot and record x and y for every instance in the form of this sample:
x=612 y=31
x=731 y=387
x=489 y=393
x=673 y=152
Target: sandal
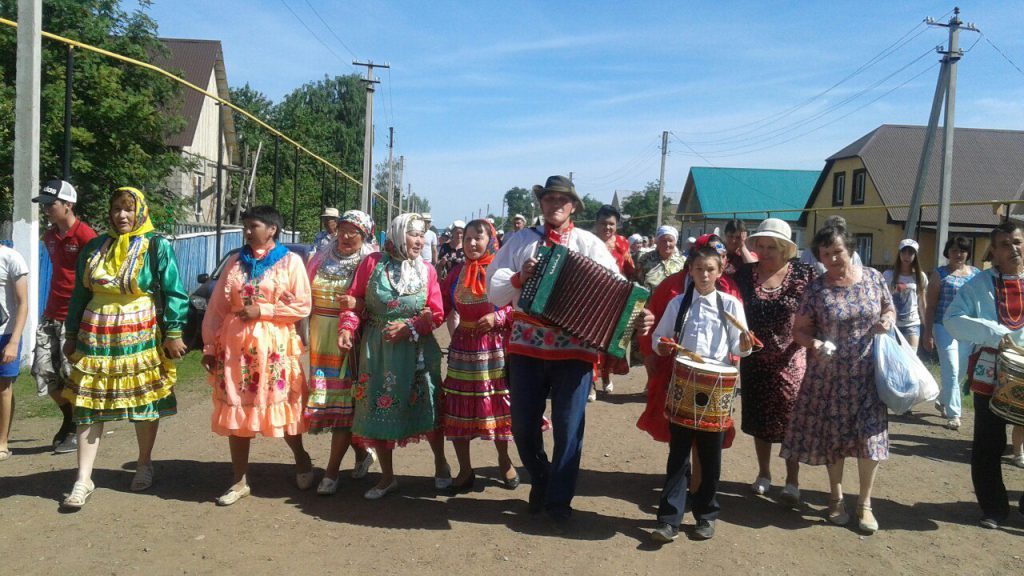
x=837 y=512
x=5 y=455
x=80 y=493
x=867 y=522
x=233 y=495
x=143 y=478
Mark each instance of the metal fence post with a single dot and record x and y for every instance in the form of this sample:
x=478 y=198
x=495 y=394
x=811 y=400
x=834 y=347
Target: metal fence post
x=69 y=75
x=220 y=175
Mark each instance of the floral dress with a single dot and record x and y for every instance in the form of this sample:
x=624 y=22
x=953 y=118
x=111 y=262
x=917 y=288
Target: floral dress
x=772 y=377
x=330 y=405
x=397 y=393
x=838 y=413
x=258 y=383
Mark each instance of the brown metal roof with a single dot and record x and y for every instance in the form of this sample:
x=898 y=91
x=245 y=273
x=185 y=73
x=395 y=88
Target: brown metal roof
x=987 y=165
x=195 y=61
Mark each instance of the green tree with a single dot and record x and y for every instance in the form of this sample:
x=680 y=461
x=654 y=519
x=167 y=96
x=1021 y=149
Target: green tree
x=586 y=215
x=519 y=201
x=119 y=110
x=326 y=117
x=642 y=209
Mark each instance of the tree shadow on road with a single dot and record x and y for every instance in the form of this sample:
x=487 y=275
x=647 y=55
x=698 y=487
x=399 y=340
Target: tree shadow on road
x=935 y=447
x=740 y=506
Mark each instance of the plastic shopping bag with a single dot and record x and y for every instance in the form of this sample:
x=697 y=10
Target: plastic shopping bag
x=895 y=380
x=927 y=387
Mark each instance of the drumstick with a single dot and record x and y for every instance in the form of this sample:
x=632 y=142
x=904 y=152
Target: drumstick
x=691 y=355
x=739 y=326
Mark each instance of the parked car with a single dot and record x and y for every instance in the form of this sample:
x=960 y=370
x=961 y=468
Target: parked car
x=200 y=297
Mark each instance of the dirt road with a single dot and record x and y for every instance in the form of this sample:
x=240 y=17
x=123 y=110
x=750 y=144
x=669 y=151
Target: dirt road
x=923 y=502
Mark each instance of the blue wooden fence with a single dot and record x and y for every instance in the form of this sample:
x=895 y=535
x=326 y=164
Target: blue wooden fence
x=196 y=254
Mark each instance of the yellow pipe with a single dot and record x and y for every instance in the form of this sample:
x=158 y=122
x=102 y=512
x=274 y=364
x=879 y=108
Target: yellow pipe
x=191 y=86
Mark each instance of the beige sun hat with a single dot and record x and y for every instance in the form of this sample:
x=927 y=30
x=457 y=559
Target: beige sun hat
x=775 y=229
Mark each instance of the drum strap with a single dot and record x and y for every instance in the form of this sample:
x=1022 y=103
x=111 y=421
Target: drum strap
x=684 y=307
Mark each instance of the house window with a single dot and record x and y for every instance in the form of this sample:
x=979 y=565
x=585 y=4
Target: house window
x=838 y=188
x=862 y=245
x=860 y=180
x=197 y=194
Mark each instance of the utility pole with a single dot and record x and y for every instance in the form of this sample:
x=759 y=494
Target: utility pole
x=391 y=171
x=946 y=86
x=368 y=133
x=661 y=179
x=25 y=234
x=401 y=177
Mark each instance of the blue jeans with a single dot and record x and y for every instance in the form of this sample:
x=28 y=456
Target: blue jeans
x=568 y=383
x=953 y=362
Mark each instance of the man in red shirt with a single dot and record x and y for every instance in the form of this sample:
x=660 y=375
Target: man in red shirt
x=64 y=240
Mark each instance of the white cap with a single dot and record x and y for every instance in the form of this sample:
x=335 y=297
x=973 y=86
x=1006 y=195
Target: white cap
x=57 y=190
x=458 y=224
x=426 y=216
x=519 y=217
x=911 y=243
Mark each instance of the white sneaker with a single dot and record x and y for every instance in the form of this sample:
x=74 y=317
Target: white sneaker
x=444 y=482
x=1018 y=460
x=953 y=424
x=609 y=387
x=362 y=467
x=592 y=396
x=761 y=485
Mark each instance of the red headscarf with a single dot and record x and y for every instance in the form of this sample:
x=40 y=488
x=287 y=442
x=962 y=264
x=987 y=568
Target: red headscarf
x=475 y=276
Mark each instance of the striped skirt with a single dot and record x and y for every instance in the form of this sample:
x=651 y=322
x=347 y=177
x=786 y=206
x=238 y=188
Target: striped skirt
x=476 y=396
x=330 y=406
x=119 y=371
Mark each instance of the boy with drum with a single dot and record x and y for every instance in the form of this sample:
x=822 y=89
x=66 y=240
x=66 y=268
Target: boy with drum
x=706 y=326
x=988 y=312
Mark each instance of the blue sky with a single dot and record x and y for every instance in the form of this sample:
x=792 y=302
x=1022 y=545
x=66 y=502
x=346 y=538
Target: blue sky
x=489 y=95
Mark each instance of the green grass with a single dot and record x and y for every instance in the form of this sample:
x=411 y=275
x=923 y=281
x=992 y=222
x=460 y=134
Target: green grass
x=967 y=402
x=191 y=380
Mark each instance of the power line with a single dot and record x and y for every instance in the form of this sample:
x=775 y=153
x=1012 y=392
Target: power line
x=310 y=30
x=627 y=166
x=885 y=53
x=744 y=148
x=1003 y=54
x=331 y=30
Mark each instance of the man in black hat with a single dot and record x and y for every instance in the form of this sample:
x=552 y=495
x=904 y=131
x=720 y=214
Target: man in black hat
x=64 y=239
x=544 y=361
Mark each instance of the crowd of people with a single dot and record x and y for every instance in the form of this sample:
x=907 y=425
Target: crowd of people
x=797 y=331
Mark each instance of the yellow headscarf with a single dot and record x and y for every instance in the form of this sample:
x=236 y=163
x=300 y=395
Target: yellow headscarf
x=118 y=253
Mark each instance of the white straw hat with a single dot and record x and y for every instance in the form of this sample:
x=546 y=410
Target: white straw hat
x=773 y=228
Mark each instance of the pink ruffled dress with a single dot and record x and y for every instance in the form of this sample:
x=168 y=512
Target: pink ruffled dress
x=258 y=383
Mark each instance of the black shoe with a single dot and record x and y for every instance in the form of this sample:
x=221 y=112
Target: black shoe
x=989 y=523
x=705 y=530
x=664 y=533
x=466 y=486
x=560 y=524
x=510 y=483
x=536 y=499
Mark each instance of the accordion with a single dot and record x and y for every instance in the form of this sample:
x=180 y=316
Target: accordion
x=583 y=298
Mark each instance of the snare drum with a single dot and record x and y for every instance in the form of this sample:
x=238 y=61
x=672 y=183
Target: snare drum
x=1008 y=399
x=700 y=395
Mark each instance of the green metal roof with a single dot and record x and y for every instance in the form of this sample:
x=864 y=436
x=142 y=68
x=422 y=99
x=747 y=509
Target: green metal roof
x=740 y=189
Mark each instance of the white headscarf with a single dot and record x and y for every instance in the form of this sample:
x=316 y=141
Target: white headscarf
x=413 y=272
x=666 y=230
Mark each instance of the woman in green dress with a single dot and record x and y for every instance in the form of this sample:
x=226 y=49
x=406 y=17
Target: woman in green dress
x=397 y=390
x=120 y=351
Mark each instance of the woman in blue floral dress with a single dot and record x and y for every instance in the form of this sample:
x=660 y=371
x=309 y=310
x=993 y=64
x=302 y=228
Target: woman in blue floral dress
x=838 y=413
x=397 y=392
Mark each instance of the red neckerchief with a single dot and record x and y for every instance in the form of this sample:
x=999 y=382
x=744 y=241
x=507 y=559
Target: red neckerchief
x=555 y=237
x=1010 y=301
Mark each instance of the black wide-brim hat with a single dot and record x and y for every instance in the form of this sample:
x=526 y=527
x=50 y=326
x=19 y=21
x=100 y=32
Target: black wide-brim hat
x=559 y=184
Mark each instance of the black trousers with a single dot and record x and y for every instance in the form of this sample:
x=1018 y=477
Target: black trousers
x=987 y=461
x=677 y=475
